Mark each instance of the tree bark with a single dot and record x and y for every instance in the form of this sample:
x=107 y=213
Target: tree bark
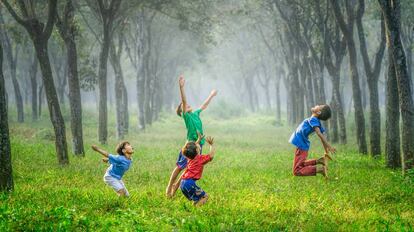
x=121 y=96
x=12 y=57
x=372 y=74
x=6 y=172
x=392 y=119
x=52 y=101
x=33 y=82
x=40 y=34
x=347 y=30
x=391 y=12
x=67 y=30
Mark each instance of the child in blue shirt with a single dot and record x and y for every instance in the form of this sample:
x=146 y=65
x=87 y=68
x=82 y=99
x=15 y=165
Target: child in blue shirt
x=119 y=164
x=300 y=138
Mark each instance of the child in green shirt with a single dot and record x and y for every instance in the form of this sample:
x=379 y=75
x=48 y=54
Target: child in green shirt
x=194 y=126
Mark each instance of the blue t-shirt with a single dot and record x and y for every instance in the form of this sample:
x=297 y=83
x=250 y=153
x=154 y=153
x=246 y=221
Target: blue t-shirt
x=119 y=165
x=300 y=138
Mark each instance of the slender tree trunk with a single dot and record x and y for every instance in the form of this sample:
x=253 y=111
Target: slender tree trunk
x=347 y=30
x=75 y=101
x=391 y=12
x=12 y=58
x=6 y=172
x=120 y=94
x=33 y=81
x=103 y=93
x=333 y=123
x=392 y=119
x=40 y=100
x=278 y=107
x=53 y=102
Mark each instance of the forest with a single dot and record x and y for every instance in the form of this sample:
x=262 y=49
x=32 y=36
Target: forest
x=77 y=77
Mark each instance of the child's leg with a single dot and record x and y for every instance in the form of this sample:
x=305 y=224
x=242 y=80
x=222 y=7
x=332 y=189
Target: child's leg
x=202 y=201
x=301 y=166
x=126 y=193
x=173 y=177
x=180 y=165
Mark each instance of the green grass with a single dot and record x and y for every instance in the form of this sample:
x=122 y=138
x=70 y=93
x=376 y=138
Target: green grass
x=250 y=184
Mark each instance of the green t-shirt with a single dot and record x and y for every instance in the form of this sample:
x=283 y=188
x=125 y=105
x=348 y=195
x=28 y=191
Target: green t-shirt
x=193 y=124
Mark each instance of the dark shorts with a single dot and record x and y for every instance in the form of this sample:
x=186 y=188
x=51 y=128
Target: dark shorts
x=182 y=161
x=191 y=190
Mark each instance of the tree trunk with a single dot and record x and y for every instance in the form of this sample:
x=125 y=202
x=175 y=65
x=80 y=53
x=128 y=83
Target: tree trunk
x=6 y=172
x=33 y=81
x=103 y=93
x=121 y=96
x=12 y=57
x=40 y=100
x=333 y=122
x=75 y=101
x=278 y=108
x=391 y=13
x=347 y=30
x=141 y=99
x=392 y=120
x=52 y=101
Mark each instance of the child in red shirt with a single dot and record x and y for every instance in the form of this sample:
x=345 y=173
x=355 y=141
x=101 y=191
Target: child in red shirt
x=194 y=171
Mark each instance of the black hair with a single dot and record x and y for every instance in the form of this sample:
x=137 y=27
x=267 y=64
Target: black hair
x=121 y=147
x=325 y=113
x=190 y=150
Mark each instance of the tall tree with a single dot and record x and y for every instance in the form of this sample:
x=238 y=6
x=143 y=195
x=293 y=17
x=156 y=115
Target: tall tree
x=67 y=30
x=391 y=10
x=107 y=14
x=6 y=174
x=392 y=119
x=121 y=94
x=347 y=29
x=40 y=33
x=12 y=58
x=33 y=81
x=372 y=73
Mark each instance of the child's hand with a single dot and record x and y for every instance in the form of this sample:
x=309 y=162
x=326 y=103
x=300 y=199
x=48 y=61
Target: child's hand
x=105 y=160
x=210 y=140
x=95 y=148
x=199 y=137
x=181 y=81
x=331 y=149
x=213 y=93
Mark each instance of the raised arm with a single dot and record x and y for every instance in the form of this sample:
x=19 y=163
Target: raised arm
x=328 y=148
x=207 y=101
x=210 y=141
x=99 y=150
x=181 y=83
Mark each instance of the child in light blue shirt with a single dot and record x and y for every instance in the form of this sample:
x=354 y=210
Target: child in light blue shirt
x=119 y=164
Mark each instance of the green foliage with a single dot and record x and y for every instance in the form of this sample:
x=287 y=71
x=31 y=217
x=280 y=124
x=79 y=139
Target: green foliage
x=250 y=184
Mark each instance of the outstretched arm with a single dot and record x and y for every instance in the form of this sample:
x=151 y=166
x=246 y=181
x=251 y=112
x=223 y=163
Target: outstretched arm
x=328 y=148
x=103 y=152
x=181 y=82
x=210 y=141
x=207 y=101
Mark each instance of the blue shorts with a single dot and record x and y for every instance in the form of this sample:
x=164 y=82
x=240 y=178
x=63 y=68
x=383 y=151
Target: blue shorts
x=191 y=190
x=182 y=161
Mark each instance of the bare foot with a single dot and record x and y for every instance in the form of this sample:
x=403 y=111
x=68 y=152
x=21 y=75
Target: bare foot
x=201 y=202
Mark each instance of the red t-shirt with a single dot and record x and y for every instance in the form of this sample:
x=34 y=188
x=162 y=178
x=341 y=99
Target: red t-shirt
x=195 y=167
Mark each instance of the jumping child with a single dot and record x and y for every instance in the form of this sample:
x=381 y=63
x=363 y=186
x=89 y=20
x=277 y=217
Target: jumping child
x=194 y=171
x=299 y=138
x=194 y=125
x=119 y=164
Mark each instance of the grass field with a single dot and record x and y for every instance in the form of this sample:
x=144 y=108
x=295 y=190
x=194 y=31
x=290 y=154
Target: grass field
x=250 y=184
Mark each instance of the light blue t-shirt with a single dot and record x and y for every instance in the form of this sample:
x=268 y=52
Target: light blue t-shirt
x=119 y=165
x=300 y=138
